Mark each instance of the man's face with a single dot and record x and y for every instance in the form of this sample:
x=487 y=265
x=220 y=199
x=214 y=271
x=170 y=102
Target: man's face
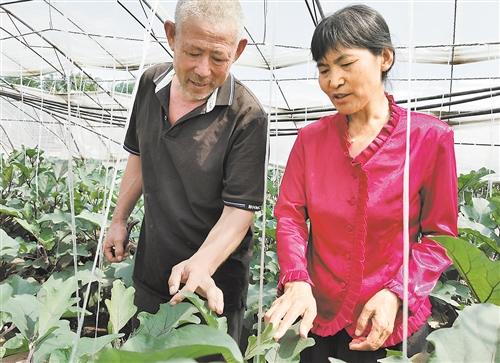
x=203 y=55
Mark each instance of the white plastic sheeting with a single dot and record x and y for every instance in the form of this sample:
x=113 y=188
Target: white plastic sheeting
x=456 y=51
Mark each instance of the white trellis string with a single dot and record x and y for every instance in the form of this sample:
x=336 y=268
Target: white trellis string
x=264 y=205
x=99 y=254
x=406 y=193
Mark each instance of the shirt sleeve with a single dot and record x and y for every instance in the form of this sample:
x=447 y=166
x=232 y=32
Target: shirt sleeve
x=439 y=215
x=291 y=215
x=245 y=170
x=131 y=143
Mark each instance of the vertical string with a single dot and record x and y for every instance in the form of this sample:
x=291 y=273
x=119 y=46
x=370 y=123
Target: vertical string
x=406 y=192
x=264 y=206
x=99 y=255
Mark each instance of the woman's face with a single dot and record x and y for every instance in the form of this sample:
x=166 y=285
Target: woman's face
x=351 y=77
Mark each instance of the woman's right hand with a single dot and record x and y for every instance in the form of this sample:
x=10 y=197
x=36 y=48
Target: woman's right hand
x=297 y=300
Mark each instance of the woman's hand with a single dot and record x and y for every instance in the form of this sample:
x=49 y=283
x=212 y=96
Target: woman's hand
x=381 y=309
x=297 y=300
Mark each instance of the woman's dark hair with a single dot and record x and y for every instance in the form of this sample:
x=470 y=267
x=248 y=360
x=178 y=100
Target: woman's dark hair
x=355 y=26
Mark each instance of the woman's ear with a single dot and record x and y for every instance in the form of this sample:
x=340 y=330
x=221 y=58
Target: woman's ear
x=387 y=59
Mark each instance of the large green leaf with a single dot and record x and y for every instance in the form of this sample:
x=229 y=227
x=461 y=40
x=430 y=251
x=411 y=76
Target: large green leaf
x=480 y=211
x=474 y=337
x=22 y=286
x=34 y=229
x=189 y=341
x=121 y=306
x=290 y=346
x=473 y=179
x=57 y=300
x=16 y=344
x=9 y=247
x=94 y=218
x=166 y=319
x=24 y=313
x=59 y=336
x=108 y=355
x=210 y=317
x=86 y=346
x=482 y=274
x=195 y=341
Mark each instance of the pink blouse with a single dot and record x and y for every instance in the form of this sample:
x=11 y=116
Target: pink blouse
x=353 y=209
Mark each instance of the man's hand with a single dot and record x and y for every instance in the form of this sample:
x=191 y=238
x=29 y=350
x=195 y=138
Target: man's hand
x=113 y=244
x=381 y=309
x=196 y=278
x=297 y=300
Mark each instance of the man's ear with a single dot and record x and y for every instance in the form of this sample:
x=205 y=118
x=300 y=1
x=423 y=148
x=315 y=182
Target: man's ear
x=170 y=33
x=241 y=47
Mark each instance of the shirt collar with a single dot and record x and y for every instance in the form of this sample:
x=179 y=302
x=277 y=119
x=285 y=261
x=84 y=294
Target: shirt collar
x=222 y=96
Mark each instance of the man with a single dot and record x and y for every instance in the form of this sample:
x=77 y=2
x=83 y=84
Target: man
x=197 y=143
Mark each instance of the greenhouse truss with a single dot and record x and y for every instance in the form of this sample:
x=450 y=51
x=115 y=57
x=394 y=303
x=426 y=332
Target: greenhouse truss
x=68 y=67
x=68 y=70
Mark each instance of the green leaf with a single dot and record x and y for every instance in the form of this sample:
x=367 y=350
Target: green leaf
x=34 y=229
x=209 y=316
x=86 y=346
x=24 y=313
x=94 y=218
x=474 y=337
x=11 y=211
x=189 y=341
x=57 y=217
x=60 y=167
x=8 y=246
x=255 y=348
x=394 y=359
x=16 y=344
x=123 y=270
x=472 y=180
x=57 y=302
x=166 y=319
x=121 y=306
x=22 y=286
x=481 y=274
x=445 y=292
x=195 y=341
x=290 y=346
x=59 y=336
x=108 y=355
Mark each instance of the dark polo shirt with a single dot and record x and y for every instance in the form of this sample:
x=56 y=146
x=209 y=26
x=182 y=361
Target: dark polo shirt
x=211 y=157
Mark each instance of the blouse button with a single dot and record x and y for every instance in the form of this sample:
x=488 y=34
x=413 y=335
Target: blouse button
x=349 y=228
x=343 y=285
x=352 y=201
x=347 y=256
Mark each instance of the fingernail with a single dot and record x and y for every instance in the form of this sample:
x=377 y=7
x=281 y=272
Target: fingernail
x=357 y=332
x=172 y=290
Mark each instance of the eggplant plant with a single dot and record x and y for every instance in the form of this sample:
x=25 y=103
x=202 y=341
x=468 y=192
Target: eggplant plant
x=51 y=213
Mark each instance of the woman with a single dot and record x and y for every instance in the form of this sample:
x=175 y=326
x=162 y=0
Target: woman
x=340 y=207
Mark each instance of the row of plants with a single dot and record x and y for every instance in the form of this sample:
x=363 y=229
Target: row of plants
x=58 y=83
x=60 y=303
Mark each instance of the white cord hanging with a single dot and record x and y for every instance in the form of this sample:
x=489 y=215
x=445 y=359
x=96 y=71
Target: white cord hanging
x=406 y=192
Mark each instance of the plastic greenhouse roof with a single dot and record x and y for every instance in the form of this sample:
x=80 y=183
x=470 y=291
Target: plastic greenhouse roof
x=447 y=60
